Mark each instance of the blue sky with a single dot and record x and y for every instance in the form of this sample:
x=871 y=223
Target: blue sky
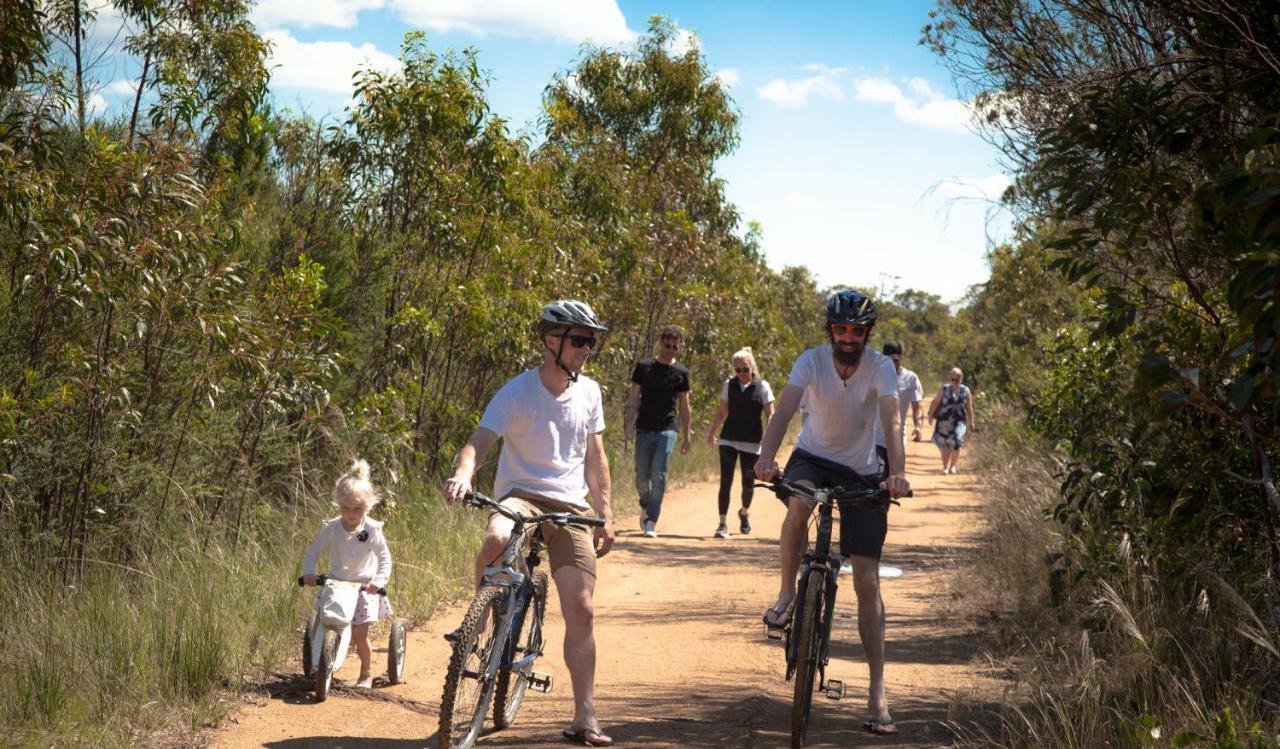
x=855 y=156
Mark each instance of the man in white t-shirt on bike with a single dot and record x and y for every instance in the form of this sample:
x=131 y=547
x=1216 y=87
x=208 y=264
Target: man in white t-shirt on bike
x=550 y=420
x=848 y=391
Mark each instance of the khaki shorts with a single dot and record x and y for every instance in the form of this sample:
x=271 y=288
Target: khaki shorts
x=572 y=545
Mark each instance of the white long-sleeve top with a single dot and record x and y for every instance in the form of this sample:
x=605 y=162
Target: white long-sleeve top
x=359 y=556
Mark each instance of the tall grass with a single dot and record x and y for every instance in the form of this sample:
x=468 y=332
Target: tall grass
x=141 y=654
x=144 y=653
x=1138 y=657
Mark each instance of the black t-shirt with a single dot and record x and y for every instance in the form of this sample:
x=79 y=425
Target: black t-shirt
x=659 y=385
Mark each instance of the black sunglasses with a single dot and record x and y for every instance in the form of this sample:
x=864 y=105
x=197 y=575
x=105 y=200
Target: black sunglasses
x=741 y=369
x=580 y=341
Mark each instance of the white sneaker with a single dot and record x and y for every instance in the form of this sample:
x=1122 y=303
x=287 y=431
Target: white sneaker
x=365 y=683
x=722 y=531
x=650 y=529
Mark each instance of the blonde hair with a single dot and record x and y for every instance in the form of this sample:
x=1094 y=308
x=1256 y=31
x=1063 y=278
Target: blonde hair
x=745 y=355
x=355 y=484
x=957 y=370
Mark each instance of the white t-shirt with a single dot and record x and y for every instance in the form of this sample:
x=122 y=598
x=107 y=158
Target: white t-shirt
x=766 y=397
x=351 y=557
x=843 y=414
x=544 y=438
x=909 y=391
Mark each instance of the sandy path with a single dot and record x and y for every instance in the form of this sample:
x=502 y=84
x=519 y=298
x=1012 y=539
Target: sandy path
x=683 y=661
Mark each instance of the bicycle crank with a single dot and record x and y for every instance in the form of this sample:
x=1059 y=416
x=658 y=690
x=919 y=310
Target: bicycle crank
x=833 y=689
x=539 y=682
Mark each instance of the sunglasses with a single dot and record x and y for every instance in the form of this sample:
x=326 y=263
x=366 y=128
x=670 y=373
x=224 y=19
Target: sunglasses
x=742 y=370
x=840 y=328
x=955 y=379
x=580 y=341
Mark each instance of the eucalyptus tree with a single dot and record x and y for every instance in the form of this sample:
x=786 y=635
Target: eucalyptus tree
x=636 y=134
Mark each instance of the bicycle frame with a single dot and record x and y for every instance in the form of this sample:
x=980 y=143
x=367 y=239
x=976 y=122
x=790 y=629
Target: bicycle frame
x=516 y=576
x=819 y=558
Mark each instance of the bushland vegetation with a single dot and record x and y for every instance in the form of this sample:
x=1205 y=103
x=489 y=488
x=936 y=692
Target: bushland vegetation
x=1130 y=329
x=210 y=305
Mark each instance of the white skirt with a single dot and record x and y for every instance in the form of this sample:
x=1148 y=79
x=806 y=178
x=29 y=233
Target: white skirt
x=370 y=607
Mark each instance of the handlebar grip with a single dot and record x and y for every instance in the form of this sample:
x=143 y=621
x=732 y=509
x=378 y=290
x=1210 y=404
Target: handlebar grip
x=301 y=580
x=319 y=580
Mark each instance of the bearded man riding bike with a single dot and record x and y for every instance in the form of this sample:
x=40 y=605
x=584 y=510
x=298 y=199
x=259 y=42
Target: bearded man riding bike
x=847 y=389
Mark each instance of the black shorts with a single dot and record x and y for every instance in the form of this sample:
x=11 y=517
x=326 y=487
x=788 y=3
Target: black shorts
x=863 y=524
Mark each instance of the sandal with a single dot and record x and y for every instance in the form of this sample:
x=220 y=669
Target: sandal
x=880 y=727
x=775 y=618
x=586 y=737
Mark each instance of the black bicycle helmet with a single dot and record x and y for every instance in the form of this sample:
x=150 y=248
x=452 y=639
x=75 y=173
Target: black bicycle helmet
x=573 y=313
x=851 y=307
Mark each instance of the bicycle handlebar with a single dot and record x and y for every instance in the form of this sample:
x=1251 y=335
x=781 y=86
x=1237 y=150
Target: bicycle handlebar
x=476 y=499
x=322 y=579
x=782 y=487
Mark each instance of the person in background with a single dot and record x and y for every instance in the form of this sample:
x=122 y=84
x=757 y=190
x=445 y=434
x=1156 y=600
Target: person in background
x=952 y=408
x=910 y=394
x=658 y=386
x=744 y=399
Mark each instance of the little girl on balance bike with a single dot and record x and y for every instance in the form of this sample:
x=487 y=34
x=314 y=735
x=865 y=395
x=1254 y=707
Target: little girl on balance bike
x=357 y=553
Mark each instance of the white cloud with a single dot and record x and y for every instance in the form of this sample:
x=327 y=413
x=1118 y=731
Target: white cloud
x=729 y=77
x=122 y=87
x=323 y=66
x=272 y=14
x=96 y=106
x=925 y=105
x=601 y=21
x=796 y=93
x=682 y=41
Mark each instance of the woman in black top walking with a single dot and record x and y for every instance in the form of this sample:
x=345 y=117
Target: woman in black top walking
x=744 y=399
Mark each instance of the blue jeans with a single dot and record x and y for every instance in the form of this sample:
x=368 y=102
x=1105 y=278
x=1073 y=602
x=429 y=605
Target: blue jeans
x=652 y=451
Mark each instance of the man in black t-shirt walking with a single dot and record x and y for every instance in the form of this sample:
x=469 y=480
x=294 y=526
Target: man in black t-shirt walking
x=658 y=385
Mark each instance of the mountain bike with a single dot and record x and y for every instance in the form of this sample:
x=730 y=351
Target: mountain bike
x=327 y=637
x=807 y=636
x=501 y=635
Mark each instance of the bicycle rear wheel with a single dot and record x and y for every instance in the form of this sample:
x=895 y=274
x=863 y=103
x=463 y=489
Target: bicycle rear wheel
x=513 y=683
x=467 y=689
x=807 y=653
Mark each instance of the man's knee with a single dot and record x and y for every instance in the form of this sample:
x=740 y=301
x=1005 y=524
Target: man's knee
x=866 y=577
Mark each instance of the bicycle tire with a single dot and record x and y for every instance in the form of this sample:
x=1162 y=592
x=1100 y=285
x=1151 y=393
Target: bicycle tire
x=323 y=678
x=306 y=645
x=807 y=654
x=462 y=711
x=395 y=651
x=509 y=694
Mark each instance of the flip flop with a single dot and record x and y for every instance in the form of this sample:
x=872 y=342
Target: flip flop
x=780 y=617
x=880 y=727
x=587 y=737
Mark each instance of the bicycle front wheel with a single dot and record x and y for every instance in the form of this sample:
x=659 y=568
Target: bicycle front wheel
x=807 y=654
x=469 y=684
x=514 y=682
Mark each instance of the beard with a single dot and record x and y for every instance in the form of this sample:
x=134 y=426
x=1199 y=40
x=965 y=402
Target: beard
x=848 y=356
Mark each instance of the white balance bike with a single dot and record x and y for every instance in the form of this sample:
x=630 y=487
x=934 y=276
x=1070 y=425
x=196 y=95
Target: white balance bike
x=328 y=635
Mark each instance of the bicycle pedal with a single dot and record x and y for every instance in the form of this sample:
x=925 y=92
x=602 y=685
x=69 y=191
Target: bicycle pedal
x=539 y=682
x=774 y=633
x=833 y=689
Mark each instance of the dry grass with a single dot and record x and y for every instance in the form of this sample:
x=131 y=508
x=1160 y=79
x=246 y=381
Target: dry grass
x=1129 y=660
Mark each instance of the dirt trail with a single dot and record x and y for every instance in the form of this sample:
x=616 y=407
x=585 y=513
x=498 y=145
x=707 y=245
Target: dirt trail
x=682 y=658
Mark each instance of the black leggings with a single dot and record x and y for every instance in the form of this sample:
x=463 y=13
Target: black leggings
x=727 y=459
